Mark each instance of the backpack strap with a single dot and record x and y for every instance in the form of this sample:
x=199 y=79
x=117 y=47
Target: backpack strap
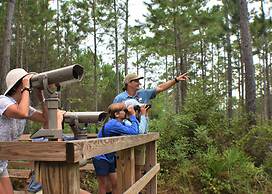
x=104 y=123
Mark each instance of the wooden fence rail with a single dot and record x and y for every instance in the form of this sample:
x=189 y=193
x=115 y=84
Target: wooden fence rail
x=57 y=163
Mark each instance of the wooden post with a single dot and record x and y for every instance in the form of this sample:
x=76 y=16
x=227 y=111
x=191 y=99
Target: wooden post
x=125 y=169
x=151 y=161
x=58 y=177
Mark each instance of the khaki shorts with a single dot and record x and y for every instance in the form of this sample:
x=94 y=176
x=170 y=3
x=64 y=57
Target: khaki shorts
x=140 y=155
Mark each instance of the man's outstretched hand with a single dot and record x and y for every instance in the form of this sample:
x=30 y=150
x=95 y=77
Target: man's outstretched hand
x=182 y=77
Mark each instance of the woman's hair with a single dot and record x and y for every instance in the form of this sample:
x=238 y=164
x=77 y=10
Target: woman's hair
x=14 y=88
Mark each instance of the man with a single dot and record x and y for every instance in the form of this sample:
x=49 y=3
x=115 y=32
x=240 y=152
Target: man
x=133 y=91
x=132 y=88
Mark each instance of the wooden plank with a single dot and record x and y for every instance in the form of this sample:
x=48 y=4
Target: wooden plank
x=59 y=177
x=129 y=168
x=25 y=192
x=87 y=167
x=141 y=183
x=151 y=160
x=125 y=169
x=25 y=137
x=12 y=164
x=72 y=151
x=21 y=192
x=84 y=149
x=19 y=173
x=38 y=151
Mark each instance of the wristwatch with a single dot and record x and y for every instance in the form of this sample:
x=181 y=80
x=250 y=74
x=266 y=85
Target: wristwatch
x=176 y=80
x=25 y=88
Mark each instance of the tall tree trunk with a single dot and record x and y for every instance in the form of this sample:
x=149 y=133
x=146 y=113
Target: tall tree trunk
x=182 y=69
x=166 y=68
x=212 y=67
x=249 y=67
x=5 y=65
x=126 y=39
x=176 y=65
x=203 y=68
x=229 y=71
x=183 y=85
x=116 y=47
x=267 y=67
x=18 y=34
x=58 y=32
x=44 y=38
x=263 y=89
x=217 y=77
x=242 y=73
x=95 y=54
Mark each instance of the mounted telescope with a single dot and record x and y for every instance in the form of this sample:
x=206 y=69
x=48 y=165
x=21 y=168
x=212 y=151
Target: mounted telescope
x=61 y=76
x=84 y=117
x=74 y=119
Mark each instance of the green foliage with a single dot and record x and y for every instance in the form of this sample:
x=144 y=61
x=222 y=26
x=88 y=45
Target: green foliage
x=88 y=181
x=258 y=144
x=200 y=153
x=229 y=172
x=200 y=105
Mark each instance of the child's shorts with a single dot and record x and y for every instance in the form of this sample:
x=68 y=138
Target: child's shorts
x=104 y=167
x=140 y=155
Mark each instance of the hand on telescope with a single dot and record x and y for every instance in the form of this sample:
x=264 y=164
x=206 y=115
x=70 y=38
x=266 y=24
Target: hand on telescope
x=131 y=110
x=143 y=110
x=26 y=81
x=60 y=114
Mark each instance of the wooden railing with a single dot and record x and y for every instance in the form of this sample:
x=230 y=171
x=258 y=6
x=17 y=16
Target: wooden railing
x=57 y=163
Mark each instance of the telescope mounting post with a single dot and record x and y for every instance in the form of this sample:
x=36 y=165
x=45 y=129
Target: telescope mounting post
x=51 y=102
x=79 y=133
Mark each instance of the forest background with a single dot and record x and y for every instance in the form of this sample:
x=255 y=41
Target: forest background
x=215 y=130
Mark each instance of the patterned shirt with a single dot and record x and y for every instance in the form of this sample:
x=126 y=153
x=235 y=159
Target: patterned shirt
x=10 y=128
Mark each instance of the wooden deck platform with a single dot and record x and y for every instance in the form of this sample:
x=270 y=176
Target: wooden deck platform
x=58 y=162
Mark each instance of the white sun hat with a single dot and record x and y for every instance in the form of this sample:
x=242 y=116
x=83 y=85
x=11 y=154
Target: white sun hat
x=13 y=77
x=132 y=102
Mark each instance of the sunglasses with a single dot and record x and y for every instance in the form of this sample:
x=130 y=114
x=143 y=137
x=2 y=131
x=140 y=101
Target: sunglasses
x=135 y=80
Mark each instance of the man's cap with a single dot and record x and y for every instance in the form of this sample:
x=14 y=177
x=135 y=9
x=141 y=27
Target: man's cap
x=13 y=77
x=132 y=76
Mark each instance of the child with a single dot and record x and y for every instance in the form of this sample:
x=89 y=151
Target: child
x=105 y=164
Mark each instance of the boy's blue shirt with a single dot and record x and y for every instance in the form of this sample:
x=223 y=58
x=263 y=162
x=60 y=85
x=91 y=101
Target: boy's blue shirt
x=116 y=128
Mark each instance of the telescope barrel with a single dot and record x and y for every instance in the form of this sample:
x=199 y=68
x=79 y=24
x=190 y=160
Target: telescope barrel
x=70 y=73
x=85 y=117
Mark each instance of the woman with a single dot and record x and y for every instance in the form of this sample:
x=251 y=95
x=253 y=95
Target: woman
x=15 y=109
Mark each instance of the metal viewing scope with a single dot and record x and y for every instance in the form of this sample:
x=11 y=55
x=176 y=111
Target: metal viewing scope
x=76 y=118
x=84 y=117
x=60 y=76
